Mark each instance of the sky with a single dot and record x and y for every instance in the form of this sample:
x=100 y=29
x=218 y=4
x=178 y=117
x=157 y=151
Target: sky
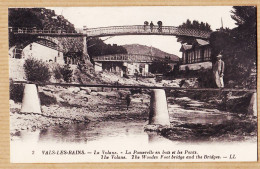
x=93 y=17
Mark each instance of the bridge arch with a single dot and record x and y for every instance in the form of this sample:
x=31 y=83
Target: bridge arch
x=52 y=41
x=145 y=30
x=89 y=33
x=17 y=50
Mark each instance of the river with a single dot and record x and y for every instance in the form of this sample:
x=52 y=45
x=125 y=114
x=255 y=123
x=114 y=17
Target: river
x=128 y=133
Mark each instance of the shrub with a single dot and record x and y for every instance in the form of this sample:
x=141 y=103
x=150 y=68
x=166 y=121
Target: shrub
x=206 y=79
x=16 y=92
x=36 y=70
x=57 y=73
x=46 y=99
x=187 y=70
x=66 y=72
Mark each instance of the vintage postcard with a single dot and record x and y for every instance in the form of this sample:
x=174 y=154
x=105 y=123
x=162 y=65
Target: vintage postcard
x=133 y=84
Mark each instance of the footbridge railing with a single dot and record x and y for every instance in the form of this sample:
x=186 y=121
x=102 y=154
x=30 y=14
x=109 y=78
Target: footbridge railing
x=158 y=114
x=115 y=31
x=137 y=87
x=127 y=58
x=146 y=30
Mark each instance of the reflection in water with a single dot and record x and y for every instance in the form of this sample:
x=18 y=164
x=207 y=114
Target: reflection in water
x=201 y=117
x=93 y=131
x=30 y=136
x=131 y=131
x=154 y=137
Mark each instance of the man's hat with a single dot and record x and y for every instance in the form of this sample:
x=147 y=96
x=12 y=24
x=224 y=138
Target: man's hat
x=219 y=56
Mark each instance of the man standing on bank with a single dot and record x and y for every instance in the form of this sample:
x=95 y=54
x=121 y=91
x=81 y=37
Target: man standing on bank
x=128 y=100
x=218 y=71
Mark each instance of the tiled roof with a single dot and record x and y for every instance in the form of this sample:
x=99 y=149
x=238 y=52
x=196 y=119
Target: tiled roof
x=185 y=46
x=202 y=42
x=199 y=42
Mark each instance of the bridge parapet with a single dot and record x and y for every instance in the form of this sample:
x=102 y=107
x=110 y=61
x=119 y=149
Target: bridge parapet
x=143 y=30
x=127 y=58
x=42 y=32
x=116 y=30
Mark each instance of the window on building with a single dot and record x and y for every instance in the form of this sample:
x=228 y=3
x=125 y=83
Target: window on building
x=207 y=54
x=189 y=57
x=186 y=57
x=198 y=56
x=183 y=57
x=193 y=56
x=202 y=54
x=18 y=53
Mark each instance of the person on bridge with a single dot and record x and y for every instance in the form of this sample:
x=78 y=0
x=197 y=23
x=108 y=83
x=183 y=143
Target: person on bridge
x=218 y=72
x=159 y=26
x=128 y=100
x=145 y=25
x=151 y=26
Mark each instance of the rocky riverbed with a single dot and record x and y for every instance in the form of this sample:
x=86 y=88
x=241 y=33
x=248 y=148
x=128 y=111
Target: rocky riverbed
x=193 y=115
x=79 y=105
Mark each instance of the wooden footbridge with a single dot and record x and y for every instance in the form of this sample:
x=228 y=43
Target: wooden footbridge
x=137 y=87
x=158 y=114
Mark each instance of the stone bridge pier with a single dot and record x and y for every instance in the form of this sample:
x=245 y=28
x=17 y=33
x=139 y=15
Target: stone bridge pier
x=85 y=55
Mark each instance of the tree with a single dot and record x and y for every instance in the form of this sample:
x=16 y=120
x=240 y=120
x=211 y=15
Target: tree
x=23 y=17
x=192 y=25
x=237 y=45
x=40 y=18
x=245 y=39
x=161 y=66
x=245 y=33
x=36 y=70
x=96 y=47
x=66 y=72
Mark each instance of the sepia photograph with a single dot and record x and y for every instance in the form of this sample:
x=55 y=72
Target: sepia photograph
x=133 y=84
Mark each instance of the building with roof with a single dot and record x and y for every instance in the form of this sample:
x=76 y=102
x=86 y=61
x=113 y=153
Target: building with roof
x=128 y=64
x=60 y=50
x=196 y=55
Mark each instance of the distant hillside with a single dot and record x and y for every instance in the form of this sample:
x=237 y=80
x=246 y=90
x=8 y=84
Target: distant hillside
x=147 y=50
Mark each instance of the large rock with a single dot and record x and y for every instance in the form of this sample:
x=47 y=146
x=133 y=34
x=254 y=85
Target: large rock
x=108 y=94
x=95 y=89
x=82 y=92
x=74 y=89
x=86 y=89
x=93 y=93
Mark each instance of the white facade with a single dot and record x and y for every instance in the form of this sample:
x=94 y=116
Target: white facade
x=98 y=66
x=40 y=52
x=197 y=66
x=141 y=68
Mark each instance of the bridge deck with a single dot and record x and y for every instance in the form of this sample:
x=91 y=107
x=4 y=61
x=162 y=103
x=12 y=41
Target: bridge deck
x=129 y=58
x=115 y=31
x=138 y=87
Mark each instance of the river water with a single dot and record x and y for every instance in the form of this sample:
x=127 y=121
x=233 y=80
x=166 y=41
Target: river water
x=121 y=135
x=118 y=129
